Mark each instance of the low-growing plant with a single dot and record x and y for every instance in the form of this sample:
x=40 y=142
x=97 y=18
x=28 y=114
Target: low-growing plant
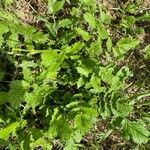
x=57 y=79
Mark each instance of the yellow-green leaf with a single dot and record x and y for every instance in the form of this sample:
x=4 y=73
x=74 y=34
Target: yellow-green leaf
x=89 y=18
x=5 y=132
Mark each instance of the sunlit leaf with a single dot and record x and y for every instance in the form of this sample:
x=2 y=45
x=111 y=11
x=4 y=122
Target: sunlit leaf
x=85 y=35
x=5 y=132
x=89 y=18
x=124 y=45
x=136 y=130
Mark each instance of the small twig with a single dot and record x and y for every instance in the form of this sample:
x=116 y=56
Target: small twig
x=5 y=81
x=114 y=8
x=144 y=9
x=32 y=7
x=9 y=108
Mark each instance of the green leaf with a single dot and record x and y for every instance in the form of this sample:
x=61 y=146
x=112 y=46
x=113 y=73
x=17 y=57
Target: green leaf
x=116 y=84
x=65 y=131
x=24 y=140
x=135 y=130
x=145 y=17
x=132 y=8
x=83 y=71
x=85 y=119
x=3 y=97
x=106 y=74
x=27 y=74
x=54 y=6
x=127 y=43
x=8 y=18
x=8 y=2
x=37 y=96
x=107 y=112
x=89 y=18
x=3 y=143
x=27 y=31
x=85 y=35
x=41 y=142
x=86 y=67
x=55 y=66
x=95 y=84
x=39 y=37
x=70 y=145
x=5 y=132
x=147 y=52
x=16 y=93
x=13 y=40
x=77 y=136
x=121 y=108
x=3 y=28
x=74 y=48
x=128 y=21
x=118 y=80
x=82 y=123
x=91 y=3
x=49 y=57
x=95 y=48
x=72 y=105
x=53 y=130
x=64 y=23
x=124 y=45
x=2 y=75
x=109 y=44
x=75 y=11
x=28 y=64
x=80 y=82
x=105 y=17
x=102 y=32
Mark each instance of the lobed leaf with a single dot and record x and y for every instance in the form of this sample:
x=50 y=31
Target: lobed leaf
x=136 y=130
x=89 y=18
